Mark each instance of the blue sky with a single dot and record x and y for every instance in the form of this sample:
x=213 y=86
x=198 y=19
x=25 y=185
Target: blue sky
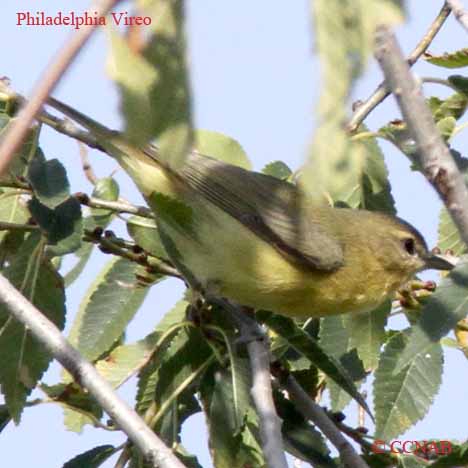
x=254 y=78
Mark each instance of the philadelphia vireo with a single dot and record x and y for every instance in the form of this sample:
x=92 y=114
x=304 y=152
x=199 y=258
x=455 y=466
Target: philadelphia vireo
x=262 y=242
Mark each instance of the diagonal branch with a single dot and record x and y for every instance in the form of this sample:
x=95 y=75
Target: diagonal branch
x=381 y=93
x=435 y=158
x=460 y=12
x=51 y=76
x=152 y=448
x=319 y=417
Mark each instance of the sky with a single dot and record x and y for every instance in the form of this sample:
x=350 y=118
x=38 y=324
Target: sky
x=255 y=78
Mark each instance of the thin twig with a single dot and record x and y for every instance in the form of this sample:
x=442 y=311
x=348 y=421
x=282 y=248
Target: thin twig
x=111 y=244
x=7 y=226
x=86 y=165
x=116 y=206
x=259 y=355
x=152 y=448
x=459 y=11
x=381 y=93
x=319 y=417
x=52 y=74
x=434 y=156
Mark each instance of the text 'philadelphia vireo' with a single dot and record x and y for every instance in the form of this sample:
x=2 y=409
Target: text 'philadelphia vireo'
x=262 y=242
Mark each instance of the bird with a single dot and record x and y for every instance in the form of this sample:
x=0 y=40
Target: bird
x=263 y=242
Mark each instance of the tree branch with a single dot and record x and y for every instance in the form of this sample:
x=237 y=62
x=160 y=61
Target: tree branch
x=16 y=132
x=459 y=11
x=381 y=93
x=434 y=156
x=319 y=417
x=152 y=448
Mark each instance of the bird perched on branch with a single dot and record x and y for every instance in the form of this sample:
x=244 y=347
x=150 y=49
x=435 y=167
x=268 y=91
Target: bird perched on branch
x=261 y=241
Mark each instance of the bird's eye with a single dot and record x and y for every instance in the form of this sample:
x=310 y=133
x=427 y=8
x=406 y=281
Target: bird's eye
x=409 y=246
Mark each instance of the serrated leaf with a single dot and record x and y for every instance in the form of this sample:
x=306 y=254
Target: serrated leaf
x=310 y=348
x=63 y=225
x=49 y=181
x=277 y=169
x=145 y=233
x=154 y=84
x=402 y=398
x=24 y=360
x=449 y=237
x=440 y=314
x=92 y=458
x=127 y=359
x=367 y=333
x=238 y=445
x=110 y=303
x=335 y=340
x=457 y=59
x=344 y=39
x=220 y=146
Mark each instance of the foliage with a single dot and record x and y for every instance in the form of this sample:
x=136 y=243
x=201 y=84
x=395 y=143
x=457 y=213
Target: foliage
x=192 y=362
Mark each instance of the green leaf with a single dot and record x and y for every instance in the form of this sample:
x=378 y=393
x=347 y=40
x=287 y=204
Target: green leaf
x=439 y=315
x=460 y=82
x=367 y=333
x=12 y=209
x=187 y=355
x=105 y=311
x=454 y=106
x=344 y=39
x=237 y=445
x=22 y=158
x=458 y=455
x=24 y=360
x=220 y=146
x=457 y=59
x=49 y=181
x=154 y=83
x=402 y=398
x=446 y=126
x=62 y=225
x=172 y=211
x=277 y=169
x=408 y=461
x=449 y=237
x=5 y=417
x=126 y=360
x=336 y=341
x=92 y=458
x=303 y=343
x=145 y=233
x=105 y=189
x=79 y=406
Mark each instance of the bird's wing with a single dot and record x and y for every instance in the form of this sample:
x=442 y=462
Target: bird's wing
x=274 y=210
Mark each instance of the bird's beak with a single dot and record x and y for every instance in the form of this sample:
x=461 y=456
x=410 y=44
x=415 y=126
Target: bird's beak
x=440 y=262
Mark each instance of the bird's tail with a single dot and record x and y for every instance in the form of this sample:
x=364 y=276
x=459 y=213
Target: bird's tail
x=142 y=164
